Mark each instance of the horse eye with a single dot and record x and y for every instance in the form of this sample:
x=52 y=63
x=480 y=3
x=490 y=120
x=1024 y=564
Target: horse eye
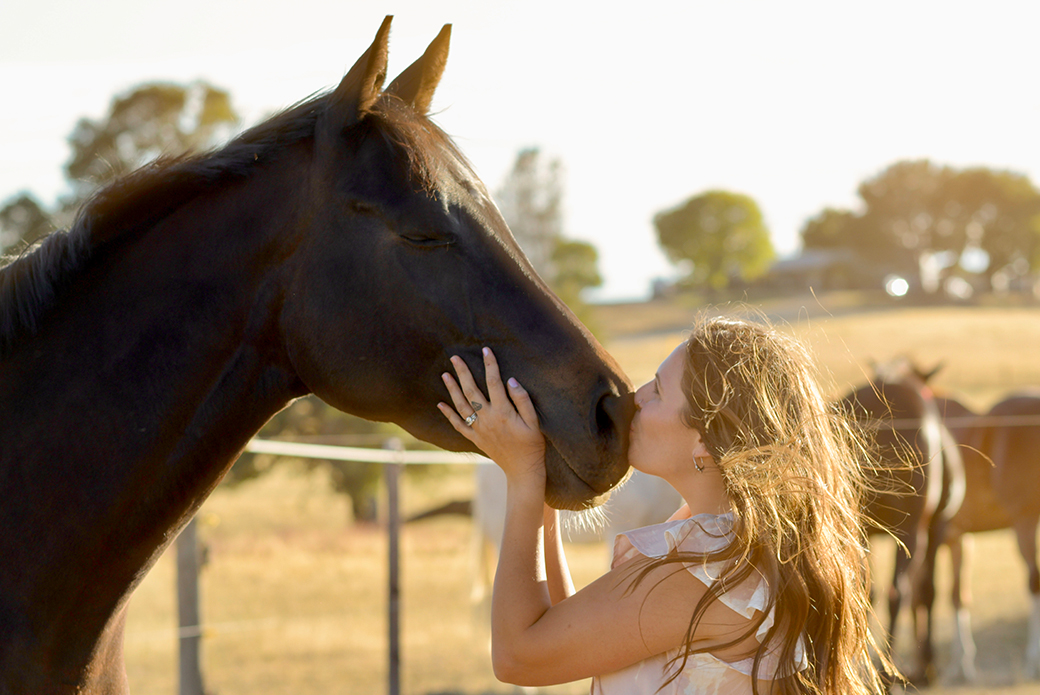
x=424 y=240
x=362 y=208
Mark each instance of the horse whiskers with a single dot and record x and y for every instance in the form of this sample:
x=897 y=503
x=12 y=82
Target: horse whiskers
x=587 y=521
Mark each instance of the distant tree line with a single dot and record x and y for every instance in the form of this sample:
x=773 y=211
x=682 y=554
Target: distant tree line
x=932 y=225
x=930 y=222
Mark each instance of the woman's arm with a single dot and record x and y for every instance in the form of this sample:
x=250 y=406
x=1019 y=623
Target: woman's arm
x=522 y=595
x=557 y=573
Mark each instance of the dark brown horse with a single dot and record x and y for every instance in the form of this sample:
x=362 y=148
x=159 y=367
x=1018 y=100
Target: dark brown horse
x=1002 y=467
x=916 y=488
x=343 y=248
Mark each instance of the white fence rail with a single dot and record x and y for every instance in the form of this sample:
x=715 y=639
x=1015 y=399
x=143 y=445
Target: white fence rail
x=350 y=453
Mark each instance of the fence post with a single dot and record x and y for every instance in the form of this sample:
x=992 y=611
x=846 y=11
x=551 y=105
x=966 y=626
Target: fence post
x=189 y=630
x=393 y=472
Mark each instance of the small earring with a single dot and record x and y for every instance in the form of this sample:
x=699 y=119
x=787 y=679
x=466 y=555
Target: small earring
x=697 y=465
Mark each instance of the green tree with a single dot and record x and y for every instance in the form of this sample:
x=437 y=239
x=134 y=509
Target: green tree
x=575 y=268
x=926 y=220
x=831 y=229
x=149 y=121
x=531 y=200
x=721 y=234
x=995 y=212
x=901 y=226
x=22 y=221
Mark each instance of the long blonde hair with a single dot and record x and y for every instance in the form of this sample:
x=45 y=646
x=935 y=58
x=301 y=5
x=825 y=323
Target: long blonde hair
x=793 y=469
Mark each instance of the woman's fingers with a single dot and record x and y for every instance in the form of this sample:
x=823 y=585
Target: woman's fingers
x=457 y=422
x=505 y=427
x=468 y=398
x=522 y=400
x=496 y=392
x=457 y=396
x=469 y=386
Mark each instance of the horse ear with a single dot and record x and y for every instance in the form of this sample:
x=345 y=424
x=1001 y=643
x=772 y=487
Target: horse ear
x=925 y=376
x=416 y=85
x=361 y=86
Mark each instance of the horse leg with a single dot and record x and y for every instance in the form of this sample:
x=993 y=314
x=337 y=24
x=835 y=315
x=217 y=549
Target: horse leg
x=1025 y=534
x=899 y=588
x=924 y=600
x=902 y=585
x=963 y=650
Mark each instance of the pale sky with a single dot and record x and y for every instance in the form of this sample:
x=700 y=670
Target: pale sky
x=647 y=103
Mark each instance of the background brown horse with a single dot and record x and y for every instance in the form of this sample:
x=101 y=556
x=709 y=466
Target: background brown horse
x=1001 y=452
x=916 y=488
x=343 y=248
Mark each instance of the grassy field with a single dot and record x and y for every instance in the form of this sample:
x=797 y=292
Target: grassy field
x=295 y=598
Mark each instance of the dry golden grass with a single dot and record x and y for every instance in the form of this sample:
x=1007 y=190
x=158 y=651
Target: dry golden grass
x=985 y=351
x=296 y=599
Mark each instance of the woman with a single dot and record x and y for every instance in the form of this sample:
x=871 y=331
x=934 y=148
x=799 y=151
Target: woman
x=757 y=585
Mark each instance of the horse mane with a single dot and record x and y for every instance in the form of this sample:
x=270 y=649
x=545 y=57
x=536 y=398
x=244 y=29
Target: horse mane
x=32 y=283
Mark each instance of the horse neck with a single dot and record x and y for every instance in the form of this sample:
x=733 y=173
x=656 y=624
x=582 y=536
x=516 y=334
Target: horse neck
x=122 y=413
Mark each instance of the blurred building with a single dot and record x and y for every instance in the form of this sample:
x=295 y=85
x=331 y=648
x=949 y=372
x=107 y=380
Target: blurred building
x=824 y=270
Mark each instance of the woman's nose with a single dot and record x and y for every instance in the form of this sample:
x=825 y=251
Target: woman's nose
x=640 y=395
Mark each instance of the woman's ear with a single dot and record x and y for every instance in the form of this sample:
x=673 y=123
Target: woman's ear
x=699 y=449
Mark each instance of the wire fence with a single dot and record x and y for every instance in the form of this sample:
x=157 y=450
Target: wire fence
x=361 y=454
x=958 y=422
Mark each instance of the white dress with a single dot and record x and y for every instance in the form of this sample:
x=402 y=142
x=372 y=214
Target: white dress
x=703 y=674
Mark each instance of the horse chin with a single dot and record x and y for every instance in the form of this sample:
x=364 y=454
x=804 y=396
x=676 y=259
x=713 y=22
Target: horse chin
x=563 y=499
x=565 y=488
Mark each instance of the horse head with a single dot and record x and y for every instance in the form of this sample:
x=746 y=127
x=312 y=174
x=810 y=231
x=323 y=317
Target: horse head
x=407 y=260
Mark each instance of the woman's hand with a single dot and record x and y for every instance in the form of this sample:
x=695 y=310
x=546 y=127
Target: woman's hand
x=506 y=425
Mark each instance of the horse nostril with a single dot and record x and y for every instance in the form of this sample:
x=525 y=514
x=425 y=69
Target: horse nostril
x=604 y=422
x=612 y=413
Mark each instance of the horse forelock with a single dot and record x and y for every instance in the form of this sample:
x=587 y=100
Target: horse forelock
x=435 y=162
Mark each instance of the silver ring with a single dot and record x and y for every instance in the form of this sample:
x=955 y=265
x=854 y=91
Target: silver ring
x=471 y=419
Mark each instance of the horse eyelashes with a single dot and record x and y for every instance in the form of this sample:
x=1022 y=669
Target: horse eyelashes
x=429 y=241
x=421 y=239
x=362 y=208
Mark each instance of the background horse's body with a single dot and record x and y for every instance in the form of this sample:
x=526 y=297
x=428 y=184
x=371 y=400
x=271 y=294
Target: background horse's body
x=1002 y=468
x=343 y=248
x=918 y=486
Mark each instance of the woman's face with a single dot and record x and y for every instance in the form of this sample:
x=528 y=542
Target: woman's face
x=660 y=443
